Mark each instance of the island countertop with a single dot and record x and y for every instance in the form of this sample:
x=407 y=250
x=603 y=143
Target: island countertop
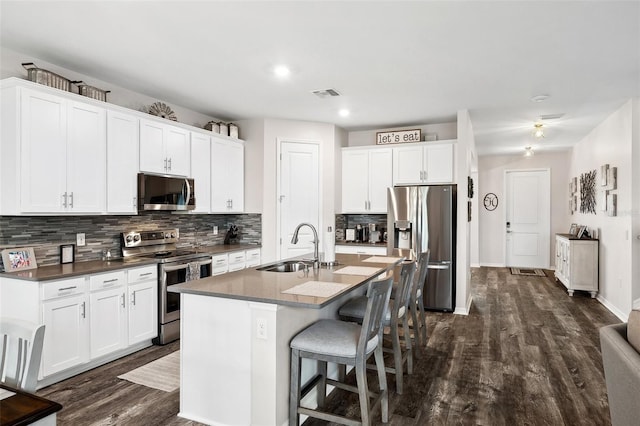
x=269 y=287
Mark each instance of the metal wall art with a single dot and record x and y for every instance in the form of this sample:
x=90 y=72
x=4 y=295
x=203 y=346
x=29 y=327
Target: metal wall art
x=588 y=192
x=160 y=109
x=573 y=198
x=609 y=183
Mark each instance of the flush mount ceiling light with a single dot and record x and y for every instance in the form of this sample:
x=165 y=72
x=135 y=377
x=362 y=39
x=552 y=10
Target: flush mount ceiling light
x=539 y=98
x=344 y=112
x=528 y=151
x=538 y=130
x=281 y=71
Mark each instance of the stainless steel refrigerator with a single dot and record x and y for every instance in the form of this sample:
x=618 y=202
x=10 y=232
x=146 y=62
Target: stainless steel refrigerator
x=420 y=218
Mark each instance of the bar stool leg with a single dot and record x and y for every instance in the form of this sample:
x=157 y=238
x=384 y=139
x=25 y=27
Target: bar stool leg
x=407 y=343
x=322 y=383
x=397 y=358
x=363 y=391
x=382 y=384
x=416 y=327
x=294 y=396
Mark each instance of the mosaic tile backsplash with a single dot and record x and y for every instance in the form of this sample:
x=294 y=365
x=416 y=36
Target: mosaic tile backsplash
x=45 y=233
x=351 y=220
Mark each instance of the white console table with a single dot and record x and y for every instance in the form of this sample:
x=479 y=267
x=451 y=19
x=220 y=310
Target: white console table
x=577 y=263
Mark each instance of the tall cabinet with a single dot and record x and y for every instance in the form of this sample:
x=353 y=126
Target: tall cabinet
x=227 y=175
x=577 y=263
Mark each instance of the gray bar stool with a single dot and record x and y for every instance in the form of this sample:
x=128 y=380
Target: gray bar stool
x=396 y=315
x=416 y=305
x=344 y=343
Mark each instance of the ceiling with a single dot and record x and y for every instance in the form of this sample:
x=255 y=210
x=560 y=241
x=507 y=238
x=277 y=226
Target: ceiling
x=394 y=63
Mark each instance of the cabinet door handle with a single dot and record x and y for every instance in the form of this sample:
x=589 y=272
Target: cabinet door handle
x=135 y=202
x=122 y=300
x=133 y=298
x=110 y=282
x=165 y=164
x=146 y=274
x=66 y=288
x=84 y=310
x=169 y=164
x=71 y=202
x=64 y=200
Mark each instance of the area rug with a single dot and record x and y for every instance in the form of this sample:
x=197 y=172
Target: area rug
x=163 y=373
x=528 y=271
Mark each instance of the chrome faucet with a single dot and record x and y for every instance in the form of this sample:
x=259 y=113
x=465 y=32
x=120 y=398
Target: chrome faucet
x=294 y=240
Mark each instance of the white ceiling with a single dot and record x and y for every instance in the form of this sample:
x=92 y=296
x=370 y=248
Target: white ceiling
x=395 y=63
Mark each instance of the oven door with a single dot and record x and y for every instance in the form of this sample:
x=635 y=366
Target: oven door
x=171 y=274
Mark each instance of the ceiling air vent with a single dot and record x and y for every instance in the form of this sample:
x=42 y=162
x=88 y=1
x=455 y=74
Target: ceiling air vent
x=551 y=116
x=325 y=93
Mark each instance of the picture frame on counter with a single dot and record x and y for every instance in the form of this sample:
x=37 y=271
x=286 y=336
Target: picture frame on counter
x=19 y=259
x=582 y=232
x=574 y=229
x=67 y=253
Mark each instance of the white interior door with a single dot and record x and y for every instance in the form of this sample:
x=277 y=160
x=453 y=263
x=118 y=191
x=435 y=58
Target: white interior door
x=527 y=218
x=298 y=195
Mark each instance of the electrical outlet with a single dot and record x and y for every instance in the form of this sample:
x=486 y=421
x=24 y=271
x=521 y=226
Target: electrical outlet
x=80 y=240
x=261 y=328
x=215 y=229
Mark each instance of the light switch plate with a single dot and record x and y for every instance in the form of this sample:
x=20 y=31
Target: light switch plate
x=80 y=240
x=215 y=229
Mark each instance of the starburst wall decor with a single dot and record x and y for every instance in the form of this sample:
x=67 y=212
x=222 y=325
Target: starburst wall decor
x=588 y=192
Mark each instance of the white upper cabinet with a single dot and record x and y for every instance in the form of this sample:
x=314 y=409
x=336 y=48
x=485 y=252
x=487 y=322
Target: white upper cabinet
x=164 y=149
x=366 y=175
x=123 y=133
x=423 y=164
x=227 y=176
x=53 y=154
x=201 y=171
x=86 y=158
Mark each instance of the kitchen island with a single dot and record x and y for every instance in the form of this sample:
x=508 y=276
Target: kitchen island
x=236 y=329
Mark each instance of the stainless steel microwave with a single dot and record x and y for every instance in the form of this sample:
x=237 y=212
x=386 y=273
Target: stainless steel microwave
x=165 y=193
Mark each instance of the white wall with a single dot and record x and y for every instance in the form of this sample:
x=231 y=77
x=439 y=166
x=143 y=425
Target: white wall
x=465 y=165
x=491 y=179
x=11 y=66
x=612 y=143
x=253 y=135
x=635 y=211
x=443 y=131
x=274 y=130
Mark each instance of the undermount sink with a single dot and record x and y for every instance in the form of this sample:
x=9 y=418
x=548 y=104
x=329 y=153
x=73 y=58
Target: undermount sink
x=286 y=266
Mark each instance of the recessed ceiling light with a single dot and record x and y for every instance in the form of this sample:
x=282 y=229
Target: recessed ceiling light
x=528 y=151
x=281 y=71
x=539 y=98
x=344 y=112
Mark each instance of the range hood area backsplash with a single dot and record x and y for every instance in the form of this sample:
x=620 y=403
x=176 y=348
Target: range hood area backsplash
x=45 y=233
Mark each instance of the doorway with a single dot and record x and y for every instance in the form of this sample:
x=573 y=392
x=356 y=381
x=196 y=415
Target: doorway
x=527 y=218
x=298 y=195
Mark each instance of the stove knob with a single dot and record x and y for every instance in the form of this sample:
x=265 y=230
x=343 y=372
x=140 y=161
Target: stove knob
x=136 y=237
x=173 y=235
x=167 y=235
x=129 y=238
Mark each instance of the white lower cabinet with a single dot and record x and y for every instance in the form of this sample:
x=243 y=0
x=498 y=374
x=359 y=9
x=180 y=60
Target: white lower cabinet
x=66 y=334
x=143 y=304
x=253 y=257
x=220 y=264
x=108 y=313
x=88 y=320
x=362 y=249
x=237 y=261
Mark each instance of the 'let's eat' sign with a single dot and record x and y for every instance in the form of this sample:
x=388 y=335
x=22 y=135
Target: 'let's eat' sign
x=398 y=136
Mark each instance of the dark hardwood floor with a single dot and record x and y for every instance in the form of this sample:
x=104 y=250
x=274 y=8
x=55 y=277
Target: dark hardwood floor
x=527 y=354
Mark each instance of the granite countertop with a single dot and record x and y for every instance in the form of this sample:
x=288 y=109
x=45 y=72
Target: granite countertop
x=69 y=270
x=268 y=287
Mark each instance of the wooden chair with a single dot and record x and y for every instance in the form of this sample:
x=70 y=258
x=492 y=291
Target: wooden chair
x=20 y=353
x=416 y=305
x=396 y=316
x=344 y=343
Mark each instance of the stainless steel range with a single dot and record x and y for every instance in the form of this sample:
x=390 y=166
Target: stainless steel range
x=175 y=266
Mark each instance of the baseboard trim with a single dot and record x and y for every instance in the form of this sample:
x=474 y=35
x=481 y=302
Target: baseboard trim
x=493 y=265
x=615 y=311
